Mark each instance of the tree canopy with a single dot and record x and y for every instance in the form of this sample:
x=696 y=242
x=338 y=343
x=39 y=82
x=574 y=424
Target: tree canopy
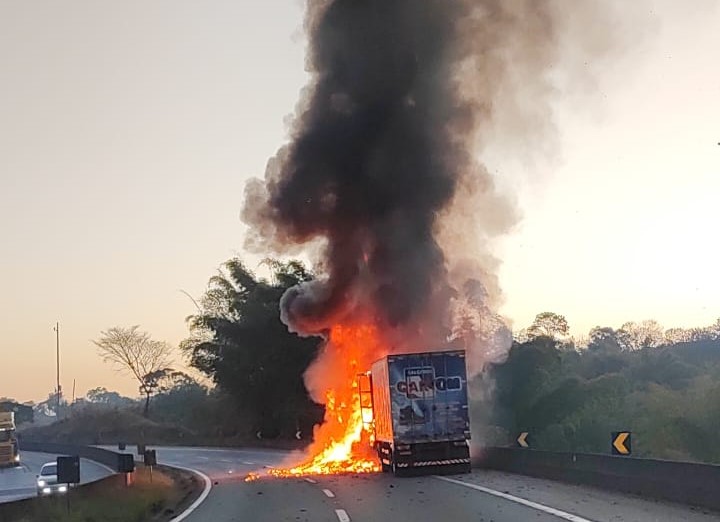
x=238 y=340
x=663 y=386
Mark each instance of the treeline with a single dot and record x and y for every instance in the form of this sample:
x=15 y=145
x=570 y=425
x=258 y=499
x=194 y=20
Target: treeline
x=570 y=394
x=661 y=385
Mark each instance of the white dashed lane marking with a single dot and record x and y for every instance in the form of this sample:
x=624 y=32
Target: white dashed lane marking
x=311 y=481
x=342 y=515
x=329 y=493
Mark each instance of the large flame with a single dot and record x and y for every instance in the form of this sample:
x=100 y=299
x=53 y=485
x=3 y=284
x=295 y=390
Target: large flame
x=342 y=444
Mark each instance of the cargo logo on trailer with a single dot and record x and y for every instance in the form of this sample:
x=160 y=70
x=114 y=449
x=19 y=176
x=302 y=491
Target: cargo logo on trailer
x=421 y=383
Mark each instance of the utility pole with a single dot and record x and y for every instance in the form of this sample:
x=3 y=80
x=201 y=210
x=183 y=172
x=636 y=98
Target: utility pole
x=57 y=374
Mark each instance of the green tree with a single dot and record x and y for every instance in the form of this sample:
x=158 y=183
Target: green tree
x=604 y=339
x=662 y=387
x=238 y=340
x=531 y=369
x=183 y=400
x=548 y=324
x=102 y=395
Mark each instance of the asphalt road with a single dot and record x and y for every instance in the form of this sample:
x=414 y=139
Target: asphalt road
x=17 y=483
x=480 y=496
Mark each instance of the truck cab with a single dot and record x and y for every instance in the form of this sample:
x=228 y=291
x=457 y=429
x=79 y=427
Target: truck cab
x=9 y=452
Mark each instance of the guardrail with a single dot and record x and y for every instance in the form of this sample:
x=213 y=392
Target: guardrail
x=111 y=459
x=684 y=482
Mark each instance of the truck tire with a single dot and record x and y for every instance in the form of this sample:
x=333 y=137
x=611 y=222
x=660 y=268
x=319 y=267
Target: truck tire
x=396 y=470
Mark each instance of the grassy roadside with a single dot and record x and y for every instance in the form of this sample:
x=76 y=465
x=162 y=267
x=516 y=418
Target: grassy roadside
x=109 y=500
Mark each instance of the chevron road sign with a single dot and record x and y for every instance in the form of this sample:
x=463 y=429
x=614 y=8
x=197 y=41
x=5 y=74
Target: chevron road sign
x=522 y=440
x=621 y=443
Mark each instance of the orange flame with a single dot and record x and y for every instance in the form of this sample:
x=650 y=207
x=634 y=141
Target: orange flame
x=342 y=443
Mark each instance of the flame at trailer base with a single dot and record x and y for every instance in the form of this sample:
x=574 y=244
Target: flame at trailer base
x=342 y=444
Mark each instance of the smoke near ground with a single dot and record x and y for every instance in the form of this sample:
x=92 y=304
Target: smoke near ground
x=381 y=176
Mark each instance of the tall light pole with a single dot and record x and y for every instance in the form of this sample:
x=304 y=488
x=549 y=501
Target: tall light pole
x=57 y=374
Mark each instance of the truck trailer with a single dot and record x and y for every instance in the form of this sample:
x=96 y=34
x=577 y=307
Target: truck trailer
x=420 y=416
x=9 y=452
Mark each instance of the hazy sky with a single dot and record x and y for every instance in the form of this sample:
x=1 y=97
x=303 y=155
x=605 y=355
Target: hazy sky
x=128 y=129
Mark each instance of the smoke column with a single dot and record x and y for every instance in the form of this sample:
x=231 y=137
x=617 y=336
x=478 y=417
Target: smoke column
x=380 y=176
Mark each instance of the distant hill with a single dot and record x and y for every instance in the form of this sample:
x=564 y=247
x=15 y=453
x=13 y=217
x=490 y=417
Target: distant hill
x=108 y=426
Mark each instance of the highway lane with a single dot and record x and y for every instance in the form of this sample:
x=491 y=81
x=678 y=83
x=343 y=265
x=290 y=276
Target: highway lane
x=17 y=483
x=479 y=496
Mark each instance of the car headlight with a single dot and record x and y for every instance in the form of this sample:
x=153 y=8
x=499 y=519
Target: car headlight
x=17 y=458
x=62 y=489
x=41 y=483
x=47 y=490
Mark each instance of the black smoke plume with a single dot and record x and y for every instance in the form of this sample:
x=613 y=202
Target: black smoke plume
x=380 y=172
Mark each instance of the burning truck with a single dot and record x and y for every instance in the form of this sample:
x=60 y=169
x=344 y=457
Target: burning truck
x=380 y=184
x=416 y=407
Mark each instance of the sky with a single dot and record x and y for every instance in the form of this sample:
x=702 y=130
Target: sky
x=128 y=130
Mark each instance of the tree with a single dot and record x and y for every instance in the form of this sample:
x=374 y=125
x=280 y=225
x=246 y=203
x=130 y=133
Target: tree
x=604 y=339
x=183 y=400
x=166 y=379
x=239 y=341
x=136 y=353
x=647 y=334
x=102 y=395
x=548 y=324
x=678 y=335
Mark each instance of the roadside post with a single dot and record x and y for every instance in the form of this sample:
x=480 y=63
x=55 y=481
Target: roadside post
x=126 y=465
x=150 y=460
x=68 y=472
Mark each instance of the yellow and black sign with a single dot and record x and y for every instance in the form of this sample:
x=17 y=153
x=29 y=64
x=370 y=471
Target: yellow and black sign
x=522 y=440
x=621 y=443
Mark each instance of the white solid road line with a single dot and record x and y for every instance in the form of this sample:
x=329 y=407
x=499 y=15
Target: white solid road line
x=329 y=493
x=342 y=515
x=529 y=503
x=108 y=468
x=19 y=488
x=192 y=507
